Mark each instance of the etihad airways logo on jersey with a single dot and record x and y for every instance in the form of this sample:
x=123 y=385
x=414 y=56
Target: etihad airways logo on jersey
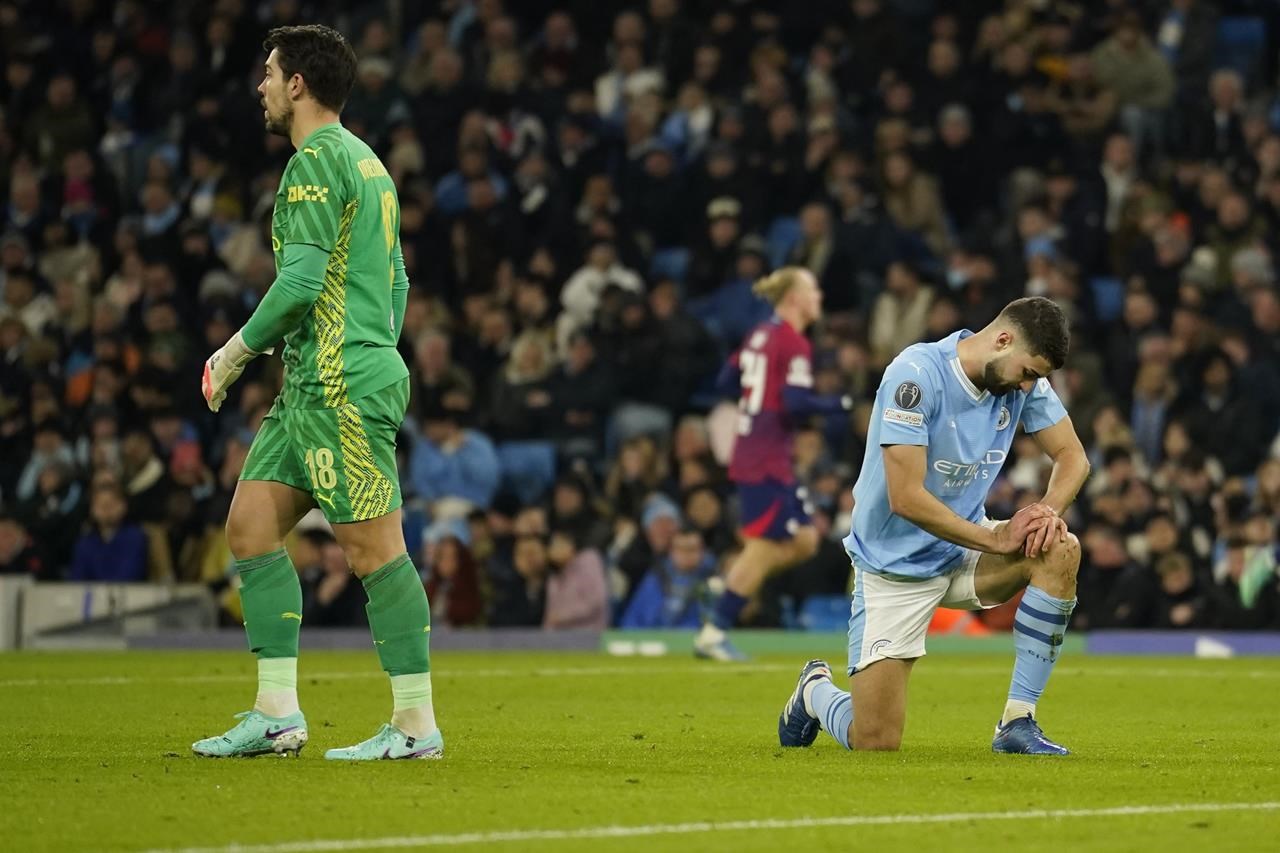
x=308 y=192
x=960 y=474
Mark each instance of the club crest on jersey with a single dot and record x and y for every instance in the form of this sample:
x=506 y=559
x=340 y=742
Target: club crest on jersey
x=908 y=395
x=1003 y=420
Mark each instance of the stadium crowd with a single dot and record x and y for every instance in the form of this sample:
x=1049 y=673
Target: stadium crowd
x=587 y=192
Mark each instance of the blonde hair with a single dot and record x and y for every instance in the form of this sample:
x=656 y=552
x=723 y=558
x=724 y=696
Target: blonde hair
x=774 y=287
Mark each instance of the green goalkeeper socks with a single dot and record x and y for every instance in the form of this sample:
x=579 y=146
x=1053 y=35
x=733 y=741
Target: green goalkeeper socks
x=271 y=597
x=399 y=617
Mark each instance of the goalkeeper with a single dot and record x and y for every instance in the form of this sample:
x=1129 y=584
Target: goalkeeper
x=330 y=438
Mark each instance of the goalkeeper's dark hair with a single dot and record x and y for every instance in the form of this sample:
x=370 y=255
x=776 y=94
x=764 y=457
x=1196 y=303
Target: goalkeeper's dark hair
x=321 y=55
x=1043 y=325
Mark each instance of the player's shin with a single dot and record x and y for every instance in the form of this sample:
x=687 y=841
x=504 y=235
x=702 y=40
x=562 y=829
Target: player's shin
x=271 y=598
x=1038 y=631
x=400 y=619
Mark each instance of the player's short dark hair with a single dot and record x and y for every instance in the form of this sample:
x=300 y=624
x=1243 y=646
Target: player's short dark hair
x=1044 y=325
x=321 y=55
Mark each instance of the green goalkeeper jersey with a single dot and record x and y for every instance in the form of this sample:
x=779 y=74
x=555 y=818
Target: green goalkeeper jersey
x=336 y=195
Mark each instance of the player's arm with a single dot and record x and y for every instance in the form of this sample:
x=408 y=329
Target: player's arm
x=290 y=297
x=904 y=472
x=1070 y=469
x=399 y=289
x=287 y=301
x=1070 y=463
x=310 y=238
x=798 y=396
x=729 y=380
x=1045 y=419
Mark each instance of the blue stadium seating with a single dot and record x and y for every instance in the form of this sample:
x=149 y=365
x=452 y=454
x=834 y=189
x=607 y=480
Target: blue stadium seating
x=1241 y=42
x=1108 y=297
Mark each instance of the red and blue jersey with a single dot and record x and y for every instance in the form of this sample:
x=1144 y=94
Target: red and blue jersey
x=773 y=359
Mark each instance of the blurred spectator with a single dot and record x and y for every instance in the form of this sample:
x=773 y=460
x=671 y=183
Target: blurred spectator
x=1217 y=132
x=112 y=549
x=18 y=554
x=585 y=288
x=582 y=393
x=659 y=521
x=575 y=590
x=332 y=596
x=520 y=401
x=823 y=250
x=914 y=204
x=519 y=602
x=1119 y=589
x=56 y=508
x=1180 y=601
x=898 y=320
x=49 y=450
x=454 y=470
x=1223 y=418
x=671 y=592
x=453 y=580
x=1129 y=64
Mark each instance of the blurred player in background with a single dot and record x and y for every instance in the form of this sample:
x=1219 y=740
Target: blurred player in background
x=329 y=440
x=772 y=376
x=945 y=417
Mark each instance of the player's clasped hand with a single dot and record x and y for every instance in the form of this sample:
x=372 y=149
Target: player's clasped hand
x=1049 y=529
x=223 y=368
x=1046 y=527
x=1015 y=534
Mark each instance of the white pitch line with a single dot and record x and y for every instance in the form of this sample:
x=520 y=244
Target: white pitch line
x=597 y=832
x=559 y=672
x=543 y=672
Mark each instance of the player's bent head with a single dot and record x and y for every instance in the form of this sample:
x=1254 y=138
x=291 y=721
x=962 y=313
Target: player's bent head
x=1041 y=328
x=321 y=56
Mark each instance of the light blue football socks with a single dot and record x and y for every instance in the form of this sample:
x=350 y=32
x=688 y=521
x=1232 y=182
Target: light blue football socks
x=1038 y=631
x=834 y=709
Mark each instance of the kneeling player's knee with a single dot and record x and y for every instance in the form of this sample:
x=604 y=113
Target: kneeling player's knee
x=878 y=740
x=1064 y=556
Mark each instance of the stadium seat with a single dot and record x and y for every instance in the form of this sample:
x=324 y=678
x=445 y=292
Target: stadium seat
x=669 y=263
x=824 y=613
x=528 y=468
x=783 y=234
x=1241 y=42
x=730 y=312
x=1108 y=297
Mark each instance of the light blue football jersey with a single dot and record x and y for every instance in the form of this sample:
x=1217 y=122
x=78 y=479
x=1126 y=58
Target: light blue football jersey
x=926 y=399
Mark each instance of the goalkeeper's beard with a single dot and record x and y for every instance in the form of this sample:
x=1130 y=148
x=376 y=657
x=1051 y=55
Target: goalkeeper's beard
x=283 y=125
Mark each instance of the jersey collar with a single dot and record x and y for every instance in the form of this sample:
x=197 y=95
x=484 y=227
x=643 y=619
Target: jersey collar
x=965 y=382
x=313 y=134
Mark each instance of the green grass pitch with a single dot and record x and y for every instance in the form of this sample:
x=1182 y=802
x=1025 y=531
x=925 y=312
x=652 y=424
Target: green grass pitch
x=586 y=752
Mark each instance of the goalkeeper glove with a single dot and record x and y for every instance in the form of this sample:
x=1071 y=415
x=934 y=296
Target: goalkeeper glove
x=223 y=368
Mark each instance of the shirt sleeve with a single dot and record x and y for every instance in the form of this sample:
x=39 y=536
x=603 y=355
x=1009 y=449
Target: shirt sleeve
x=399 y=290
x=799 y=366
x=1042 y=409
x=906 y=403
x=296 y=288
x=316 y=195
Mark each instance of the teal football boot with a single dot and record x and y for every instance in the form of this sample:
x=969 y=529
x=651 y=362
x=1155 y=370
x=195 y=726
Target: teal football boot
x=257 y=734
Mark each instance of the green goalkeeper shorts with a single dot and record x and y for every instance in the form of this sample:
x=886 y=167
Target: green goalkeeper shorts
x=345 y=457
